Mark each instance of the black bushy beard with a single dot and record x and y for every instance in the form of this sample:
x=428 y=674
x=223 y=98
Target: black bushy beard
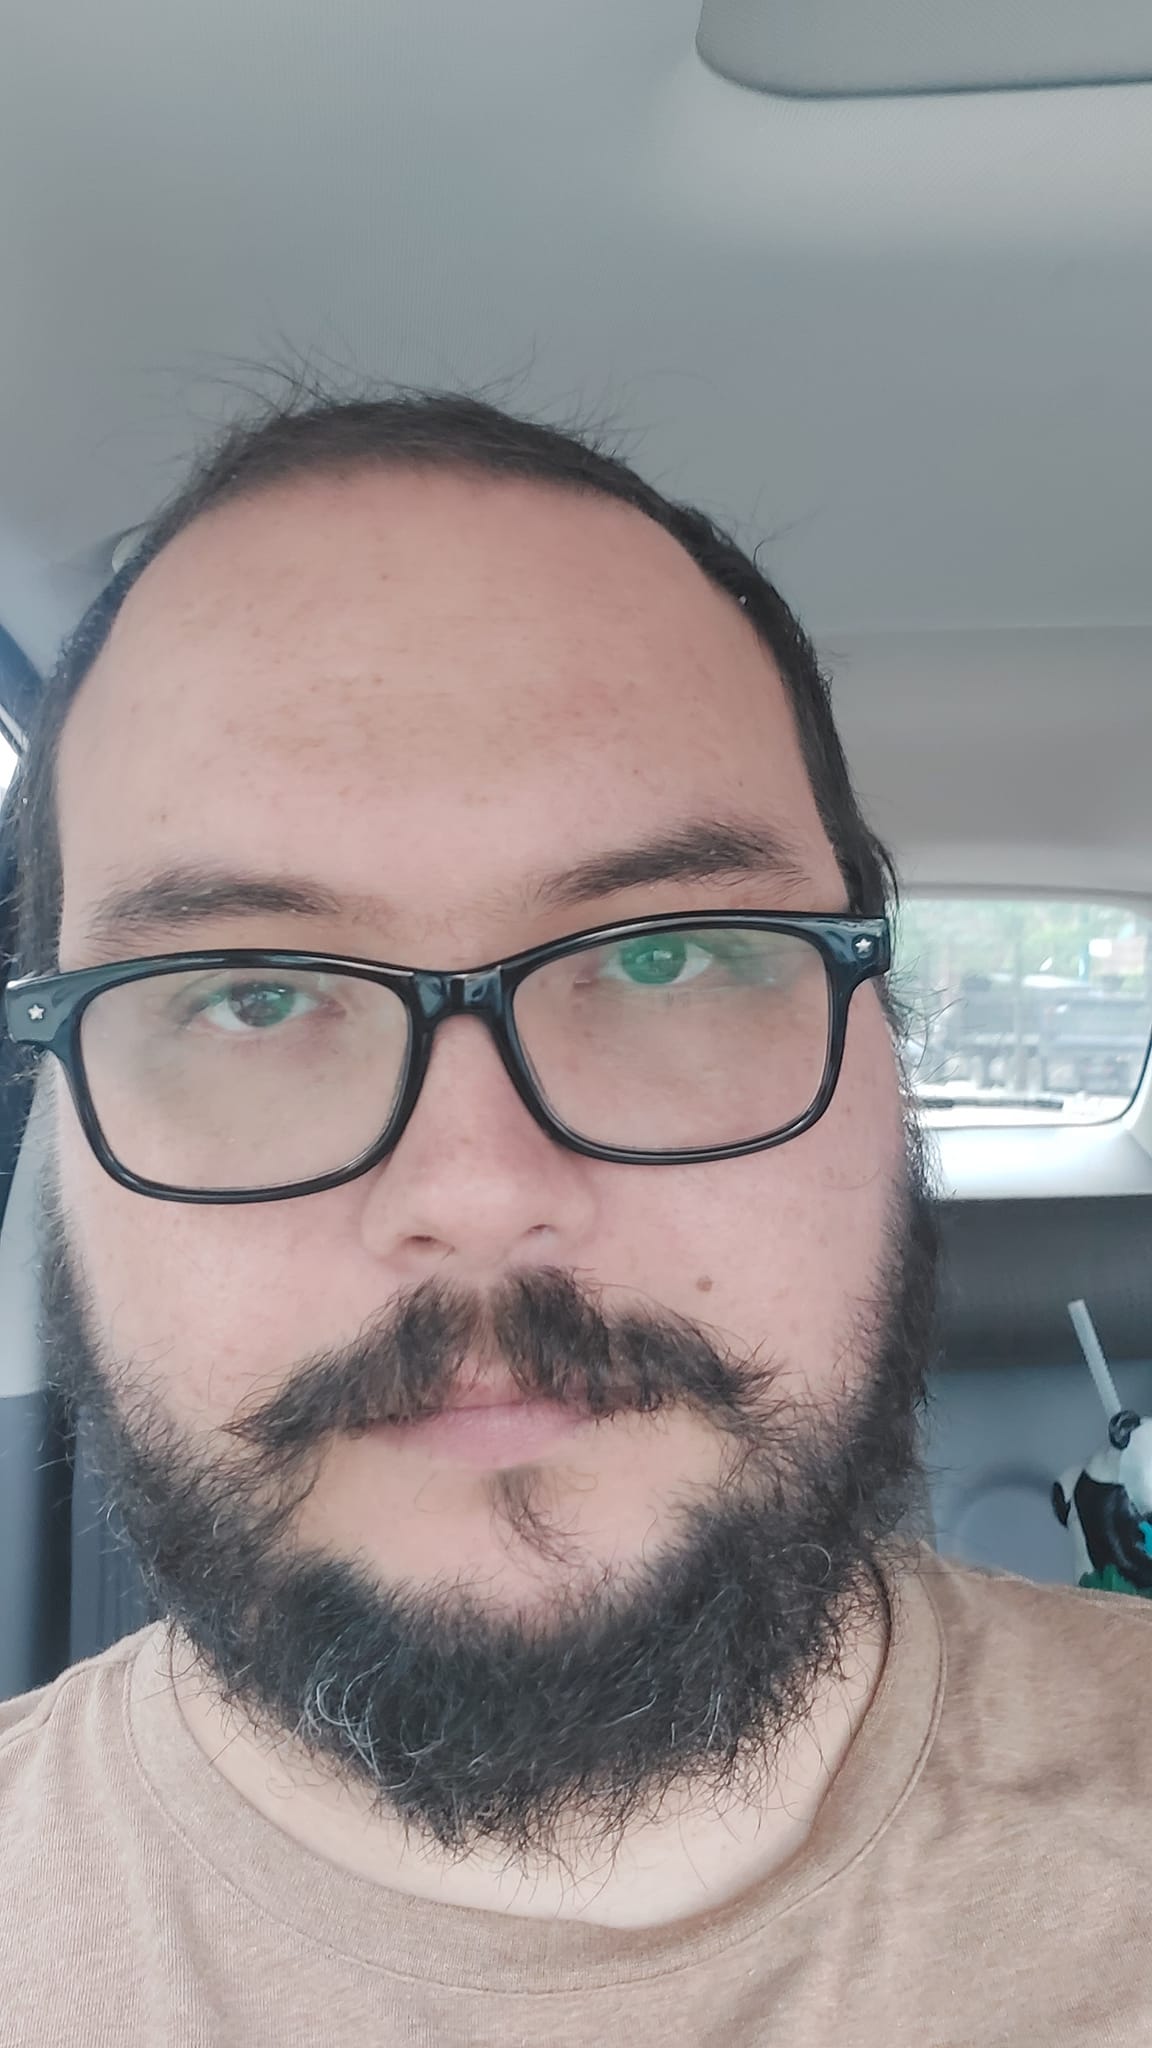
x=557 y=1732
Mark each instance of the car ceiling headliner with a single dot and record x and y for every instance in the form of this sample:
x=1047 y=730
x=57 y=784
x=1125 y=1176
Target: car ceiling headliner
x=905 y=343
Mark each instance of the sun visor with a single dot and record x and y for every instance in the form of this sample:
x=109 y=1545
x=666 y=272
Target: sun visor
x=847 y=48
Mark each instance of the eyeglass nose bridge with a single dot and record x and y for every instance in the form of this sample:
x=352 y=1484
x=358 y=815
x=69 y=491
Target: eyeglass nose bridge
x=455 y=995
x=484 y=995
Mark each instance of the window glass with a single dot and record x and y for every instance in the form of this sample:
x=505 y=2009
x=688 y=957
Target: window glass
x=1024 y=1011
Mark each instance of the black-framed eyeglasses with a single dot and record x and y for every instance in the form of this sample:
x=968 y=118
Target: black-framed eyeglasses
x=252 y=1075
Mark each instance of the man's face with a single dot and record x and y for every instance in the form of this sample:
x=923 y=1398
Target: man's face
x=422 y=695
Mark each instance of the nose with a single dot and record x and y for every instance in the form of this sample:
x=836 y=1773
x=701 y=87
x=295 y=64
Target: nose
x=474 y=1185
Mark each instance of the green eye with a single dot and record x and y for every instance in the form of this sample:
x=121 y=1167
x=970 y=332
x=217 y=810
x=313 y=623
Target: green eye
x=254 y=1006
x=655 y=960
x=262 y=1004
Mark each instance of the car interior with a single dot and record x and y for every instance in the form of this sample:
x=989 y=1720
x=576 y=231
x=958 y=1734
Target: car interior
x=872 y=284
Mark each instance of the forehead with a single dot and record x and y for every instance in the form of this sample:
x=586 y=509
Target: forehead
x=442 y=677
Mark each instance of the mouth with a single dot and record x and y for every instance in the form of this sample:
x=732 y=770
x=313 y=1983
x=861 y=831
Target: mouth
x=491 y=1432
x=488 y=1422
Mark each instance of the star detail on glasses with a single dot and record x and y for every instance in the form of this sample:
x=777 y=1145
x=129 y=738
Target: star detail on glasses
x=36 y=1012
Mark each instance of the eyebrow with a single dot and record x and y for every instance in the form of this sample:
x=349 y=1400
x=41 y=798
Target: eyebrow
x=700 y=850
x=703 y=849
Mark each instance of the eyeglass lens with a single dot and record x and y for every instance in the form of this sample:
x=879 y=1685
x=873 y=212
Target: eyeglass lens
x=253 y=1078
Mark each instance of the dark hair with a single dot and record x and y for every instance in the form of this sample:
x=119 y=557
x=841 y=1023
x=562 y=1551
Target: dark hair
x=312 y=432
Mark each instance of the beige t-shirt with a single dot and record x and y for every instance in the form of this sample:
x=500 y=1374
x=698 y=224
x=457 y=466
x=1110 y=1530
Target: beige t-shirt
x=980 y=1872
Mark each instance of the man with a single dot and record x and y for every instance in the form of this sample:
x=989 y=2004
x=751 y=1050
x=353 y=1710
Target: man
x=488 y=1238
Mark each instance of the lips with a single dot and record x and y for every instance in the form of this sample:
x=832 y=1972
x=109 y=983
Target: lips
x=485 y=1430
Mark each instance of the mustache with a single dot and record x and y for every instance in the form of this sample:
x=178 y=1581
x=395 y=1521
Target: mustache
x=553 y=1337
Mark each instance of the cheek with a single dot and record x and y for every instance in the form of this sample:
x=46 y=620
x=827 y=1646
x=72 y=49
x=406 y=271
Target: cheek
x=218 y=1297
x=780 y=1249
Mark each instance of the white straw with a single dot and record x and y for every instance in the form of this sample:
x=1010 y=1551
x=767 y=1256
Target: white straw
x=1097 y=1363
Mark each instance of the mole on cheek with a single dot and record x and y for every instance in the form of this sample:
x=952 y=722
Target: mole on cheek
x=704 y=1284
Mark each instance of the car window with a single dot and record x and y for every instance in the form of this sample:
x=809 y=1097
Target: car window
x=1024 y=1010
